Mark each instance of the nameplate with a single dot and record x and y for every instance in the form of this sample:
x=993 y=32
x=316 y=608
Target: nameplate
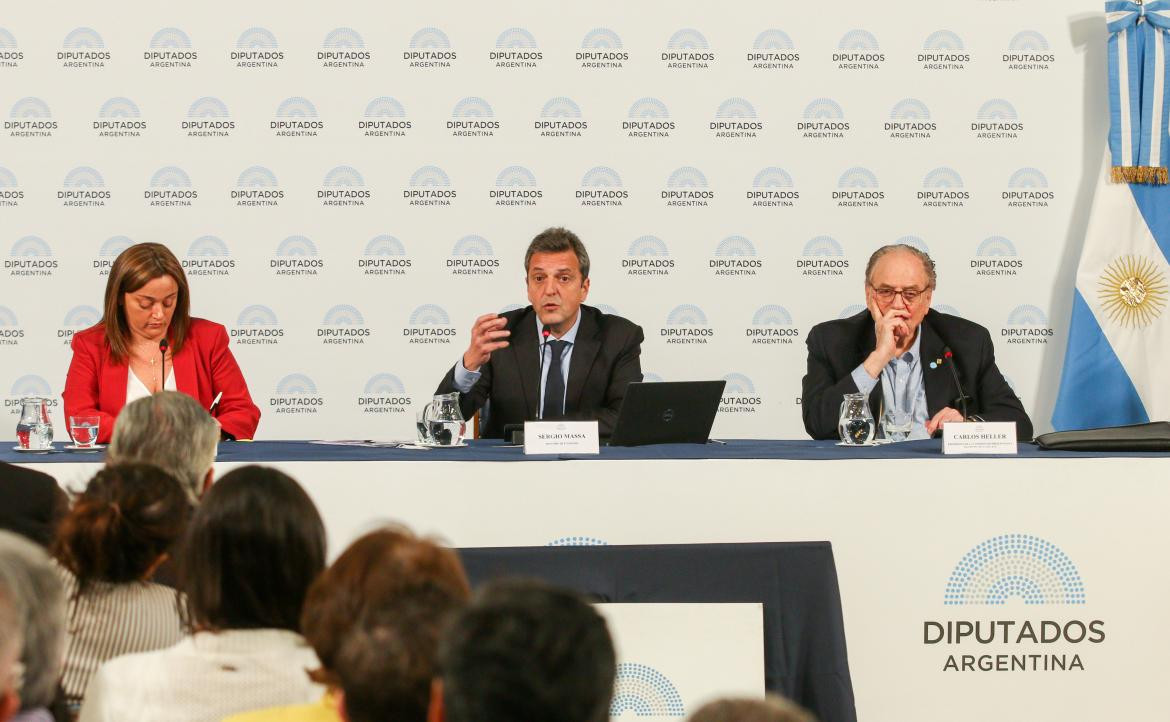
x=561 y=437
x=980 y=437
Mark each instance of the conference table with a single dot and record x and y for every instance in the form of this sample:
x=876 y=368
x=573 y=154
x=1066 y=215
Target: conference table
x=839 y=543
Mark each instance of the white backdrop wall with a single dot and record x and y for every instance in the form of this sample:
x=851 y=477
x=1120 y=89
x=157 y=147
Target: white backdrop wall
x=168 y=79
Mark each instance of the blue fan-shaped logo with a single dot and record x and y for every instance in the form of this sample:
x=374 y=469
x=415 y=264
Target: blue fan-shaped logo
x=943 y=40
x=997 y=109
x=31 y=246
x=296 y=107
x=687 y=39
x=851 y=310
x=772 y=177
x=601 y=177
x=83 y=38
x=7 y=178
x=208 y=108
x=296 y=385
x=773 y=39
x=823 y=246
x=257 y=176
x=343 y=38
x=8 y=319
x=913 y=242
x=649 y=109
x=943 y=177
x=644 y=691
x=384 y=245
x=823 y=109
x=648 y=246
x=208 y=246
x=30 y=108
x=170 y=38
x=343 y=176
x=607 y=309
x=601 y=39
x=771 y=315
x=686 y=315
x=384 y=384
x=1027 y=315
x=30 y=385
x=114 y=246
x=257 y=39
x=560 y=107
x=735 y=108
x=296 y=246
x=430 y=38
x=1015 y=566
x=735 y=246
x=430 y=175
x=995 y=246
x=81 y=316
x=948 y=310
x=861 y=40
x=7 y=40
x=858 y=177
x=472 y=107
x=257 y=316
x=577 y=541
x=516 y=176
x=738 y=384
x=910 y=109
x=385 y=107
x=170 y=177
x=516 y=38
x=1028 y=41
x=1028 y=178
x=651 y=378
x=429 y=314
x=472 y=246
x=119 y=108
x=687 y=177
x=84 y=177
x=343 y=315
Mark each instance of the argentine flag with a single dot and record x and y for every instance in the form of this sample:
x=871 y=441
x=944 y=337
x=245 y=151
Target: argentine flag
x=1117 y=367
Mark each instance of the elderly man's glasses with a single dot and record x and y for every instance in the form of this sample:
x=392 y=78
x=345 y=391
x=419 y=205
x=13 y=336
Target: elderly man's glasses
x=885 y=294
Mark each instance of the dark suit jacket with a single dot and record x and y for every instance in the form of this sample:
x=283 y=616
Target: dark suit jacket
x=837 y=347
x=605 y=359
x=31 y=503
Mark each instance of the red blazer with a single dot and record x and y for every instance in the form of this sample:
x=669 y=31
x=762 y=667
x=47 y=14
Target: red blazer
x=96 y=386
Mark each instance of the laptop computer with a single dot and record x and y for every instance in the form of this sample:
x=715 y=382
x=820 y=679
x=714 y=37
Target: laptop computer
x=667 y=412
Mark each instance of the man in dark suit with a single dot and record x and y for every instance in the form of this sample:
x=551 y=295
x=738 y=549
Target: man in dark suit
x=555 y=359
x=31 y=503
x=894 y=352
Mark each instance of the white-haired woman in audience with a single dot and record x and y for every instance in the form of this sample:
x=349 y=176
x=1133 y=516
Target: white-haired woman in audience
x=253 y=547
x=121 y=528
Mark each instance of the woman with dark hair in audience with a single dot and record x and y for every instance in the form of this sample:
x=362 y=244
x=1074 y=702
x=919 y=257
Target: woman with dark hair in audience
x=253 y=547
x=387 y=579
x=108 y=546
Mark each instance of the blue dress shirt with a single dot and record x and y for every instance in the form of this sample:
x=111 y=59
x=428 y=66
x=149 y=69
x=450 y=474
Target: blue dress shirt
x=902 y=387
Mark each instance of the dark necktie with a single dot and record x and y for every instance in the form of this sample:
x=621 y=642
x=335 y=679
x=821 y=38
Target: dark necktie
x=554 y=384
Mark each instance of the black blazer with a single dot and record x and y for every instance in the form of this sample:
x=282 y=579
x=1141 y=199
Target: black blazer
x=837 y=347
x=31 y=503
x=606 y=358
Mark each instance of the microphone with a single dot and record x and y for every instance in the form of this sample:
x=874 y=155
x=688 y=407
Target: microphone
x=962 y=398
x=163 y=345
x=545 y=332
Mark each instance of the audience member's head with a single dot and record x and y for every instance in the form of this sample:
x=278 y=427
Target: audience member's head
x=123 y=525
x=31 y=585
x=525 y=652
x=172 y=431
x=769 y=709
x=251 y=551
x=11 y=637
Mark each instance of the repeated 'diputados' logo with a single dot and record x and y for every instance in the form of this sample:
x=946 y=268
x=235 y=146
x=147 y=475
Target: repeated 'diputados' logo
x=773 y=49
x=1028 y=51
x=170 y=187
x=384 y=393
x=997 y=119
x=170 y=48
x=384 y=117
x=77 y=319
x=561 y=117
x=910 y=120
x=257 y=48
x=430 y=49
x=29 y=385
x=343 y=48
x=11 y=194
x=736 y=118
x=822 y=256
x=343 y=187
x=858 y=188
x=472 y=256
x=772 y=325
x=429 y=324
x=648 y=118
x=859 y=50
x=943 y=188
x=430 y=187
x=296 y=394
x=687 y=49
x=996 y=256
x=209 y=256
x=83 y=187
x=735 y=256
x=943 y=50
x=516 y=186
x=601 y=187
x=824 y=119
x=30 y=118
x=11 y=332
x=31 y=257
x=296 y=256
x=773 y=187
x=739 y=395
x=384 y=255
x=257 y=325
x=110 y=249
x=83 y=48
x=473 y=117
x=257 y=187
x=648 y=256
x=10 y=53
x=686 y=324
x=208 y=117
x=601 y=48
x=687 y=187
x=516 y=48
x=296 y=117
x=1027 y=325
x=119 y=118
x=343 y=325
x=1028 y=188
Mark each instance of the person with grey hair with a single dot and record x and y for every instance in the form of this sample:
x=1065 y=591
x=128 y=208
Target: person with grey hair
x=11 y=640
x=30 y=583
x=742 y=709
x=927 y=367
x=554 y=359
x=172 y=431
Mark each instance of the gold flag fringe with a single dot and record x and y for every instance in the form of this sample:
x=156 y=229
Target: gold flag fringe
x=1152 y=175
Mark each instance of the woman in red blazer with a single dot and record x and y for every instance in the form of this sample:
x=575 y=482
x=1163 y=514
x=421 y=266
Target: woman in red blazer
x=148 y=341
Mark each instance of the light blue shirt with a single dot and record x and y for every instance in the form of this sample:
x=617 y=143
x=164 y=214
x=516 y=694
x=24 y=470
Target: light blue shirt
x=902 y=387
x=465 y=379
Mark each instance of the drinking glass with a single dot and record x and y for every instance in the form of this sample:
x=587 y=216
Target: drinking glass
x=896 y=424
x=84 y=430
